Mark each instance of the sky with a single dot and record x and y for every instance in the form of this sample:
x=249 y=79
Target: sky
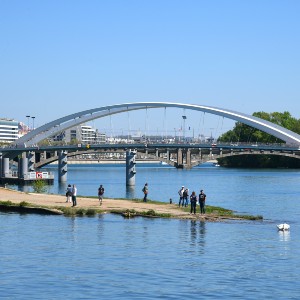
x=60 y=57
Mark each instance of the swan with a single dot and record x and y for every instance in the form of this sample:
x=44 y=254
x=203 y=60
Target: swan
x=283 y=227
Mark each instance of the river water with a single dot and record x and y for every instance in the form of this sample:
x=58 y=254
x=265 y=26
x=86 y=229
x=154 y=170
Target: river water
x=108 y=257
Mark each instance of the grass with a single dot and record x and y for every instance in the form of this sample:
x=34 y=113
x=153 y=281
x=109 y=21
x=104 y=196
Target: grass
x=6 y=203
x=132 y=213
x=24 y=204
x=214 y=211
x=70 y=211
x=223 y=212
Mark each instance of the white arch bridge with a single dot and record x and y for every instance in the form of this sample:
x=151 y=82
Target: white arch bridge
x=27 y=144
x=61 y=124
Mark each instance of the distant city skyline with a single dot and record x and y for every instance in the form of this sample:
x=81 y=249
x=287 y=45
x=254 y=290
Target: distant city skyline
x=59 y=58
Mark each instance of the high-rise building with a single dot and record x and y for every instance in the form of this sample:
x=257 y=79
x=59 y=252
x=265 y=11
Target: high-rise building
x=9 y=130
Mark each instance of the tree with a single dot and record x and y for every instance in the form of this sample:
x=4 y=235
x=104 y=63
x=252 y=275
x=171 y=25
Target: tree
x=247 y=134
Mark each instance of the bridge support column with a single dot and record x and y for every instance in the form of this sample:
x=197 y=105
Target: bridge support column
x=62 y=166
x=130 y=167
x=23 y=166
x=179 y=158
x=31 y=161
x=168 y=154
x=188 y=158
x=5 y=167
x=1 y=159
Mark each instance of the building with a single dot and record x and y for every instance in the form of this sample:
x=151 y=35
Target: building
x=9 y=130
x=84 y=134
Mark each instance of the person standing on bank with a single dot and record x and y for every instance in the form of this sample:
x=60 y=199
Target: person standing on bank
x=69 y=193
x=193 y=200
x=74 y=195
x=100 y=193
x=202 y=198
x=145 y=191
x=180 y=193
x=185 y=197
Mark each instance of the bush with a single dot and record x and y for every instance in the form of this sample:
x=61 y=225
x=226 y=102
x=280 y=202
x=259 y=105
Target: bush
x=6 y=203
x=91 y=212
x=39 y=186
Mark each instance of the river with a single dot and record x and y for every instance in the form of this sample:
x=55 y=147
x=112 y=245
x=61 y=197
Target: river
x=108 y=257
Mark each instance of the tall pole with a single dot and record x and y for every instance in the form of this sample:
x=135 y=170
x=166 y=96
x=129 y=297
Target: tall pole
x=28 y=123
x=184 y=118
x=33 y=122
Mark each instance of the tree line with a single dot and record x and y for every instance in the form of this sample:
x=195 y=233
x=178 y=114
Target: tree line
x=242 y=133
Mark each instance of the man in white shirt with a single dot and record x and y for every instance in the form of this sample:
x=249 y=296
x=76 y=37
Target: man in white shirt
x=180 y=193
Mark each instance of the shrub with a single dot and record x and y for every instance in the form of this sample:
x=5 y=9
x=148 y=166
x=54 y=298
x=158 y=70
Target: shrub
x=91 y=212
x=6 y=203
x=80 y=212
x=39 y=186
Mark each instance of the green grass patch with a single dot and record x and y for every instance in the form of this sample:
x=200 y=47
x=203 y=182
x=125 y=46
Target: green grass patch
x=24 y=204
x=91 y=212
x=71 y=212
x=6 y=203
x=132 y=213
x=223 y=212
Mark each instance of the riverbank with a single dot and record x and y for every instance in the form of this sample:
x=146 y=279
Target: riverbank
x=128 y=208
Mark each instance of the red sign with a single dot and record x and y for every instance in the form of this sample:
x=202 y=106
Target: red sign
x=39 y=175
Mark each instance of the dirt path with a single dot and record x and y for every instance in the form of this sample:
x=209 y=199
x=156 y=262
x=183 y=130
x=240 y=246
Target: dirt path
x=51 y=200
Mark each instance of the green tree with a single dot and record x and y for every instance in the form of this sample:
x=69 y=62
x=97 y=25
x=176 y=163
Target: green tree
x=247 y=134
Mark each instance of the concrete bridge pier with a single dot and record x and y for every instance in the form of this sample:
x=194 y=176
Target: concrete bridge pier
x=5 y=167
x=168 y=154
x=1 y=158
x=130 y=167
x=23 y=166
x=188 y=158
x=179 y=158
x=62 y=166
x=31 y=161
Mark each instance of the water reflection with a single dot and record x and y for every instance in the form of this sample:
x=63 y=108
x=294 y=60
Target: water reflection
x=193 y=232
x=197 y=234
x=284 y=236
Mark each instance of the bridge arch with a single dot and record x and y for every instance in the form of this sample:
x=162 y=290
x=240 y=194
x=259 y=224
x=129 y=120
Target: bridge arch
x=75 y=119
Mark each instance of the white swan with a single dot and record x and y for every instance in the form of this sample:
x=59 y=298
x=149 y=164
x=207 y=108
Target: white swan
x=283 y=227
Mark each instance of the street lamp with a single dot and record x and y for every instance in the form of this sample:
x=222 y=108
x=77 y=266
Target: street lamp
x=27 y=123
x=184 y=118
x=32 y=122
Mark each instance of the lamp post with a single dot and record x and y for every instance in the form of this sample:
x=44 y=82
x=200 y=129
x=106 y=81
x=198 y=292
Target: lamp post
x=27 y=123
x=184 y=118
x=32 y=122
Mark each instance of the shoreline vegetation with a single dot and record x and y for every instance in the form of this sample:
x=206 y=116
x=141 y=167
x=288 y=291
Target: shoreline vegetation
x=15 y=201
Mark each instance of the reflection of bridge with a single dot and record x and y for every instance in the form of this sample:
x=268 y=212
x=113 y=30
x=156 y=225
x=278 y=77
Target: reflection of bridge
x=178 y=155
